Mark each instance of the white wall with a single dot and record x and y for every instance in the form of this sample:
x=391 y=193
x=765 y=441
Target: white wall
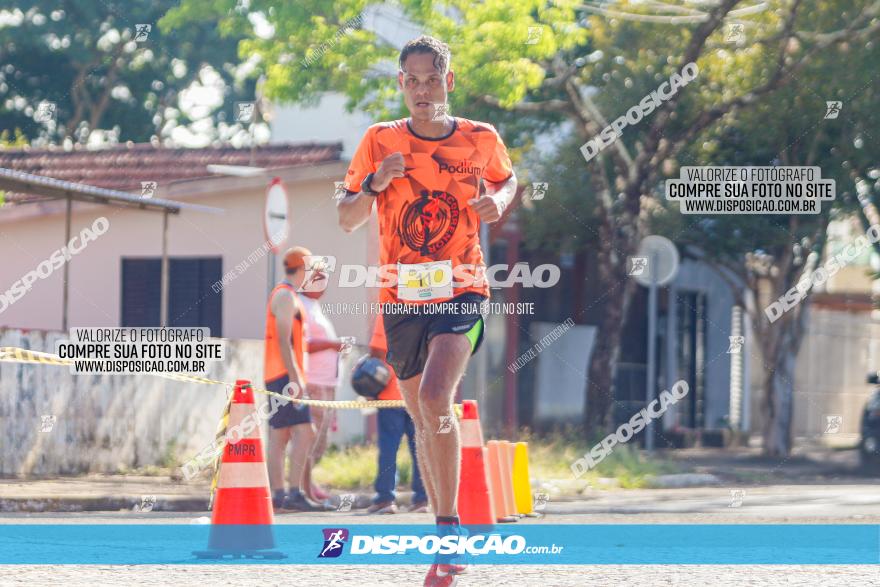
x=838 y=351
x=327 y=121
x=110 y=423
x=26 y=239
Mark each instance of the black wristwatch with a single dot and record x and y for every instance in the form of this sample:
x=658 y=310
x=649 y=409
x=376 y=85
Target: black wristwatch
x=367 y=185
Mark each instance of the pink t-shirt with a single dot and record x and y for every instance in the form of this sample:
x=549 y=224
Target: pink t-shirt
x=322 y=368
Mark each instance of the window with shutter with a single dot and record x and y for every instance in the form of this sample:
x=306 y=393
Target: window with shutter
x=191 y=300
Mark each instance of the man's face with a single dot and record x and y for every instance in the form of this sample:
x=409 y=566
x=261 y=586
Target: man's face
x=316 y=288
x=315 y=278
x=424 y=86
x=296 y=278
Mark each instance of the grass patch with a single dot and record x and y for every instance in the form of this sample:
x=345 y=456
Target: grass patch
x=551 y=458
x=354 y=467
x=631 y=468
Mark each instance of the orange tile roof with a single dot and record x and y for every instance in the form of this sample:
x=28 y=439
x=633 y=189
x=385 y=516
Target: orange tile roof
x=124 y=167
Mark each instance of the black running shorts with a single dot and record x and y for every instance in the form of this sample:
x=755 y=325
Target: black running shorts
x=289 y=413
x=409 y=332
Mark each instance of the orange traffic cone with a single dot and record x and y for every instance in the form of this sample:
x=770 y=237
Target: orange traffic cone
x=504 y=456
x=474 y=502
x=242 y=514
x=502 y=509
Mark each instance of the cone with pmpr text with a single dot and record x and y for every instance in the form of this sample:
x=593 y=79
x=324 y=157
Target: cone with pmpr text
x=241 y=522
x=474 y=500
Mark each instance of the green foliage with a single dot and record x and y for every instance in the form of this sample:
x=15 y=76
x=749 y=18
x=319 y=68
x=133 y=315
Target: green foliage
x=631 y=468
x=83 y=56
x=564 y=220
x=18 y=140
x=170 y=458
x=788 y=128
x=311 y=52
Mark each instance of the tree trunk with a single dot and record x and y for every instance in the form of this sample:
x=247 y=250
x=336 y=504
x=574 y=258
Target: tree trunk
x=778 y=395
x=618 y=288
x=603 y=363
x=779 y=382
x=780 y=343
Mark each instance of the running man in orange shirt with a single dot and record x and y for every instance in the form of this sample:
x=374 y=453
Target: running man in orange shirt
x=433 y=178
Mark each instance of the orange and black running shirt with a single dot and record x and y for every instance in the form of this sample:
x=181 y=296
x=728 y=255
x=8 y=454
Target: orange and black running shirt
x=273 y=365
x=425 y=216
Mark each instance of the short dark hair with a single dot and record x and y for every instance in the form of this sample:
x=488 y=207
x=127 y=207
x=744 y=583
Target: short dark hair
x=426 y=44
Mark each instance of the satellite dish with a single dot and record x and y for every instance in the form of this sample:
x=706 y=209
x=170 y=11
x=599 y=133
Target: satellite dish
x=275 y=217
x=661 y=261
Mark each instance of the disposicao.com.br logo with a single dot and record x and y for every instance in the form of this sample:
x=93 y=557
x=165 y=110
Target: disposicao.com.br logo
x=318 y=269
x=334 y=540
x=402 y=544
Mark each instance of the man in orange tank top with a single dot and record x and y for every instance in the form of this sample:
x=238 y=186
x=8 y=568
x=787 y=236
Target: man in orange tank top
x=284 y=372
x=434 y=179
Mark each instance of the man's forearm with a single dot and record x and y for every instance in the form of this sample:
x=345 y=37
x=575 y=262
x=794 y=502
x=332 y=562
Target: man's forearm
x=505 y=190
x=354 y=210
x=322 y=344
x=286 y=347
x=287 y=355
x=290 y=364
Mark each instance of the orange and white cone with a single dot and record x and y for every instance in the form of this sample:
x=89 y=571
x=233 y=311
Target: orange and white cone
x=503 y=510
x=506 y=459
x=242 y=514
x=474 y=501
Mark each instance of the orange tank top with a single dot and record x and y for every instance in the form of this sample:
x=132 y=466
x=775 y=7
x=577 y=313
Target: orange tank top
x=273 y=366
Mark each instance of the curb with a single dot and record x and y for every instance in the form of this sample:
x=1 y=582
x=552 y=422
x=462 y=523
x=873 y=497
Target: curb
x=682 y=481
x=100 y=504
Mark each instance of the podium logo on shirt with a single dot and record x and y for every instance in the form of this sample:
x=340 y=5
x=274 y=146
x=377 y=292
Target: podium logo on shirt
x=463 y=166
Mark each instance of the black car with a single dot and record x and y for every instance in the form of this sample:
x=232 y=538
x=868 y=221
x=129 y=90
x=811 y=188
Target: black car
x=870 y=445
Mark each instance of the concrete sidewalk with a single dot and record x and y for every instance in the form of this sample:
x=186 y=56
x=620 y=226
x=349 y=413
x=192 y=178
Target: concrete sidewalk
x=702 y=473
x=133 y=493
x=101 y=493
x=110 y=493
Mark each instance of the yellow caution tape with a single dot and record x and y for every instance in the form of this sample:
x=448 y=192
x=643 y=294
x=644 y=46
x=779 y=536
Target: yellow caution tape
x=220 y=438
x=18 y=355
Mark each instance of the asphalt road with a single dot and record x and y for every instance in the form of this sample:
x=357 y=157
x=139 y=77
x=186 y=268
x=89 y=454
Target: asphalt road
x=776 y=504
x=483 y=576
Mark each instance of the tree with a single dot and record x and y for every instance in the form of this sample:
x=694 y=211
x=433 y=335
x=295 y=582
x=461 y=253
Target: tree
x=17 y=140
x=763 y=257
x=582 y=64
x=86 y=57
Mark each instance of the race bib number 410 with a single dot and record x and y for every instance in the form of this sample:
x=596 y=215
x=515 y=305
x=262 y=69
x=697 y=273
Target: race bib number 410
x=424 y=281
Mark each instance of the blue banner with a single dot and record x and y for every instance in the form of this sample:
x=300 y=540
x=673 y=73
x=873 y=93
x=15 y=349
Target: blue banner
x=534 y=544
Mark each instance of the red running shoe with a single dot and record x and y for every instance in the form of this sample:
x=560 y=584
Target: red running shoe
x=441 y=576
